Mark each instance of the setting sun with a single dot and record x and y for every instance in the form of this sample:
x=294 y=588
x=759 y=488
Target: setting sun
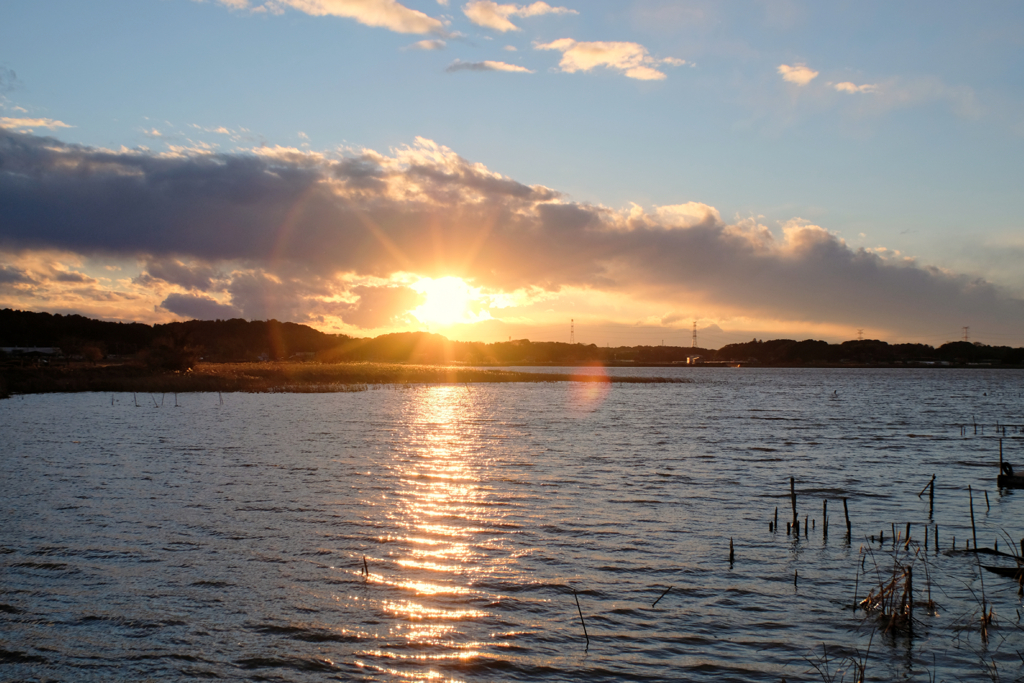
x=447 y=300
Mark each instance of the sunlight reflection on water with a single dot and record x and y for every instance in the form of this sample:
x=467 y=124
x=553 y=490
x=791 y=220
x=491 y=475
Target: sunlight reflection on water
x=229 y=540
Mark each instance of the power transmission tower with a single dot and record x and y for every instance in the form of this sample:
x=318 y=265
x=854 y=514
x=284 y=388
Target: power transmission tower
x=693 y=337
x=572 y=331
x=967 y=337
x=860 y=334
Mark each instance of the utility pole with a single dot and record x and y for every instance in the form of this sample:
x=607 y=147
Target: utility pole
x=572 y=331
x=967 y=337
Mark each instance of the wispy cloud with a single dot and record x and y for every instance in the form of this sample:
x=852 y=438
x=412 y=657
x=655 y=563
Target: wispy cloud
x=494 y=16
x=799 y=74
x=388 y=14
x=435 y=44
x=31 y=124
x=486 y=65
x=849 y=87
x=8 y=80
x=632 y=59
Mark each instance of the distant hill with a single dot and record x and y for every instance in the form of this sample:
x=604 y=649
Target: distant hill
x=241 y=340
x=217 y=340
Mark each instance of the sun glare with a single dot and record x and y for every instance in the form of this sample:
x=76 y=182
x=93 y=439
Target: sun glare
x=447 y=300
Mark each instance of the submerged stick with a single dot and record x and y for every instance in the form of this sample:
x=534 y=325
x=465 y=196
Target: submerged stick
x=585 y=634
x=847 y=513
x=652 y=604
x=926 y=486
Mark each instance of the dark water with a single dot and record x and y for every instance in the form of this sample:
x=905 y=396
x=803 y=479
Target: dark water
x=226 y=540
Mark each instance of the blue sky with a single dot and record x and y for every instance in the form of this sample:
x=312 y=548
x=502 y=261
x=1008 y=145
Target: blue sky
x=867 y=133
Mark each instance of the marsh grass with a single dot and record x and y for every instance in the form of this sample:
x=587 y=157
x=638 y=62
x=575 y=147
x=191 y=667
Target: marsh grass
x=273 y=377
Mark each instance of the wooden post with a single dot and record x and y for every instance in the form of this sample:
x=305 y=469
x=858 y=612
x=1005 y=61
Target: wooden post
x=974 y=532
x=846 y=512
x=824 y=520
x=988 y=507
x=732 y=554
x=776 y=517
x=792 y=498
x=907 y=544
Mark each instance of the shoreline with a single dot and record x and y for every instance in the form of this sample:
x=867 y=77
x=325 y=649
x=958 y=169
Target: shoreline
x=267 y=377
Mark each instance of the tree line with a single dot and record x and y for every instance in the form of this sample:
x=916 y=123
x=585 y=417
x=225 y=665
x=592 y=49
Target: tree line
x=180 y=344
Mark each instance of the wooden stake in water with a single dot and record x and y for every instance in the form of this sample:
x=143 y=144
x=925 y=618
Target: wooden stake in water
x=824 y=519
x=974 y=532
x=366 y=568
x=792 y=499
x=732 y=554
x=908 y=536
x=846 y=512
x=585 y=634
x=926 y=486
x=776 y=517
x=652 y=604
x=988 y=507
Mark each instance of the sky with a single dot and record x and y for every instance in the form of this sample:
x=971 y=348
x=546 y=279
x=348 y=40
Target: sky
x=622 y=171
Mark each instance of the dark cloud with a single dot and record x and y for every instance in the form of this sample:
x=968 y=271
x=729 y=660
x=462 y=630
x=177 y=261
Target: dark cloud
x=173 y=271
x=299 y=220
x=198 y=307
x=9 y=275
x=71 y=276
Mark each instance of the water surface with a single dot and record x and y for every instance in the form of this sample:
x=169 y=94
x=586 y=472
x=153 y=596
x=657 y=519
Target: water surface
x=226 y=537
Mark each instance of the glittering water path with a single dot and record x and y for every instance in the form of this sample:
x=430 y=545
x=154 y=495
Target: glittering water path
x=229 y=540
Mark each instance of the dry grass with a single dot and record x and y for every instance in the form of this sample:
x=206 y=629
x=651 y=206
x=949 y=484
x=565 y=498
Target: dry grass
x=272 y=377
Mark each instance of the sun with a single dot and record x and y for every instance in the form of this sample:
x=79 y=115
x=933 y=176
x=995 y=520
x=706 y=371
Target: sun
x=447 y=301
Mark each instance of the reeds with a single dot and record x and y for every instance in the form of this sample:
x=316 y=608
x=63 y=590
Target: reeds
x=273 y=377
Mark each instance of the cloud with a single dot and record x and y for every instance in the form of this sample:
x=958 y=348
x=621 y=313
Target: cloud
x=173 y=271
x=799 y=74
x=379 y=13
x=198 y=307
x=849 y=87
x=632 y=59
x=435 y=44
x=31 y=124
x=494 y=16
x=380 y=306
x=297 y=233
x=487 y=65
x=8 y=80
x=10 y=275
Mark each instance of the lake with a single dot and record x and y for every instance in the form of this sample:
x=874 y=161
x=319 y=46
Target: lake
x=446 y=532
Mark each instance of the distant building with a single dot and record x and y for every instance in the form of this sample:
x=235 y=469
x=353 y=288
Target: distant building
x=695 y=360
